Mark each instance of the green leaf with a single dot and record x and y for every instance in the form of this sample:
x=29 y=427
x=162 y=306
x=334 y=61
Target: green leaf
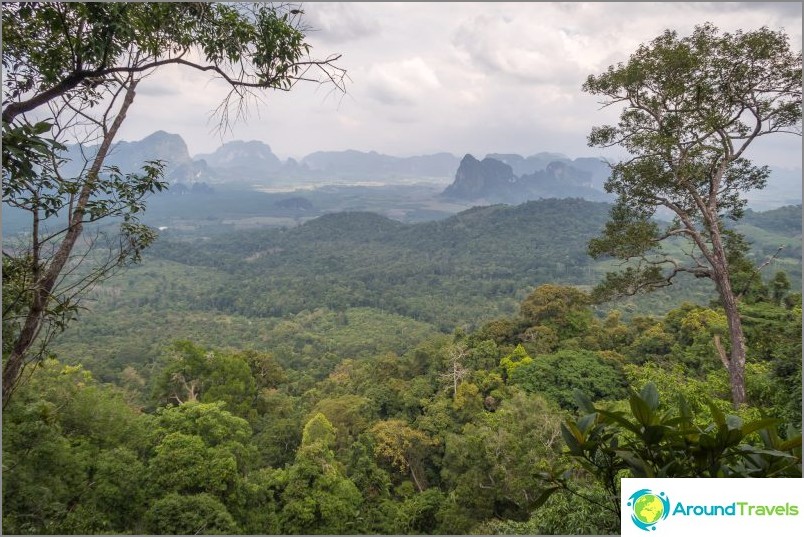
x=650 y=395
x=754 y=426
x=717 y=415
x=568 y=432
x=620 y=420
x=543 y=496
x=654 y=434
x=639 y=468
x=641 y=410
x=583 y=401
x=586 y=422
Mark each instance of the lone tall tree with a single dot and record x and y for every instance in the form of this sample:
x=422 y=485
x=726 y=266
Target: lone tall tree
x=692 y=108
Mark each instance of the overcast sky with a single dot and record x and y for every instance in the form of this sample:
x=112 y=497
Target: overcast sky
x=462 y=78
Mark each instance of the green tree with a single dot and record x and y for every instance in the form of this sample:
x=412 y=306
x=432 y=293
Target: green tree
x=195 y=514
x=76 y=67
x=557 y=375
x=350 y=415
x=780 y=286
x=561 y=308
x=71 y=456
x=491 y=467
x=404 y=447
x=516 y=359
x=319 y=498
x=692 y=108
x=192 y=373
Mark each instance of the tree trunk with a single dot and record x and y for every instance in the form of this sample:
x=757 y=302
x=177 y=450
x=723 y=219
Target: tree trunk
x=736 y=359
x=737 y=356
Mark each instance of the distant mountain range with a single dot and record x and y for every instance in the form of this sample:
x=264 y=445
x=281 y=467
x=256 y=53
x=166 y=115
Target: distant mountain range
x=499 y=177
x=254 y=163
x=546 y=175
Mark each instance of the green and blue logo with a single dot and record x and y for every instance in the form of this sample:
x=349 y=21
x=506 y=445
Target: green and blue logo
x=648 y=508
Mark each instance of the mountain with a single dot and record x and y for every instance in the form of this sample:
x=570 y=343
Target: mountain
x=528 y=165
x=130 y=157
x=494 y=180
x=447 y=272
x=498 y=178
x=476 y=179
x=373 y=165
x=244 y=161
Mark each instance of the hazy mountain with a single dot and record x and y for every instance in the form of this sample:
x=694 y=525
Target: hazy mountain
x=244 y=161
x=475 y=179
x=493 y=180
x=499 y=177
x=373 y=165
x=131 y=156
x=528 y=165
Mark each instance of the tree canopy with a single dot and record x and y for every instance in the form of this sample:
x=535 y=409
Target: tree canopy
x=70 y=76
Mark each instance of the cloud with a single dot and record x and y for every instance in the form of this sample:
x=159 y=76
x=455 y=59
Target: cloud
x=160 y=89
x=339 y=22
x=461 y=77
x=521 y=48
x=401 y=82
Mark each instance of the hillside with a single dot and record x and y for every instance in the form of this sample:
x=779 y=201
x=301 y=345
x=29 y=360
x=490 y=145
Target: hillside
x=464 y=270
x=361 y=259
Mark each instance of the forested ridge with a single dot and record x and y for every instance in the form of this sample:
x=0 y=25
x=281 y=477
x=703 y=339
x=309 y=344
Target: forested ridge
x=490 y=372
x=195 y=409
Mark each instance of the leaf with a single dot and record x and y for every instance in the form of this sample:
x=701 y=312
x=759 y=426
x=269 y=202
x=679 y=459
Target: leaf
x=639 y=468
x=640 y=410
x=620 y=420
x=583 y=401
x=586 y=422
x=544 y=496
x=650 y=395
x=754 y=426
x=654 y=434
x=573 y=442
x=717 y=415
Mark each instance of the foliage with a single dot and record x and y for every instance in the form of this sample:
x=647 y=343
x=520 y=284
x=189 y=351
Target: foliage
x=78 y=66
x=515 y=360
x=492 y=465
x=561 y=308
x=655 y=441
x=558 y=375
x=692 y=107
x=191 y=373
x=52 y=49
x=318 y=497
x=562 y=514
x=404 y=447
x=195 y=514
x=62 y=430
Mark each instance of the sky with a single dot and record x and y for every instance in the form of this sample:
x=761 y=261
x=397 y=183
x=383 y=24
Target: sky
x=461 y=78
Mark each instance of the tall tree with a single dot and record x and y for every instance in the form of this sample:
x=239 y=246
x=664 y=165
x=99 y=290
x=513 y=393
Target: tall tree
x=70 y=74
x=692 y=108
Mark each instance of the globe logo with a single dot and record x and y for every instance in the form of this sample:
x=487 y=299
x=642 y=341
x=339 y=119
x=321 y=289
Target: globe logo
x=648 y=508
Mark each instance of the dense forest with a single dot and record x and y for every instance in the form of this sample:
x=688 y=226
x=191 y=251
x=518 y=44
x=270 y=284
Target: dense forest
x=381 y=360
x=359 y=375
